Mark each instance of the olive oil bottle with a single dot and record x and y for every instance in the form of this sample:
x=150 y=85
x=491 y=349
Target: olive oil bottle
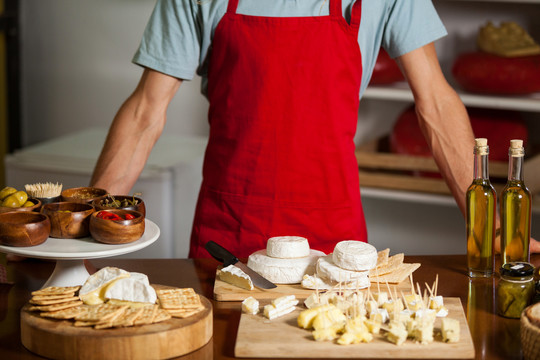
x=481 y=213
x=515 y=209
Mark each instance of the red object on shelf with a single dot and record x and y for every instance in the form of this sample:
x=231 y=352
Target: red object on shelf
x=386 y=70
x=498 y=126
x=484 y=73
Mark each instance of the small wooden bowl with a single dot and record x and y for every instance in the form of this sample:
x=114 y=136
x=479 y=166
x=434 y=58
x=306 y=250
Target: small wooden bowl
x=23 y=228
x=117 y=232
x=69 y=220
x=36 y=207
x=140 y=207
x=83 y=195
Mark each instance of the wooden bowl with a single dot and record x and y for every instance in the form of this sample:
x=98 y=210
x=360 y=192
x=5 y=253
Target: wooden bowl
x=116 y=231
x=99 y=204
x=36 y=207
x=83 y=195
x=69 y=220
x=23 y=228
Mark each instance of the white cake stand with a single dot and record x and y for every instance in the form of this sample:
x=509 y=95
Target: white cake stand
x=70 y=253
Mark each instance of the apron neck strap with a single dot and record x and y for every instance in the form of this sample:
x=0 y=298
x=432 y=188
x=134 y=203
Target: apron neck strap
x=231 y=7
x=335 y=8
x=356 y=14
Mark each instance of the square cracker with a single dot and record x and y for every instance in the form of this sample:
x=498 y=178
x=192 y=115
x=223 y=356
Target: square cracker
x=56 y=307
x=147 y=315
x=53 y=297
x=68 y=313
x=185 y=298
x=184 y=313
x=53 y=301
x=127 y=318
x=56 y=290
x=398 y=275
x=101 y=313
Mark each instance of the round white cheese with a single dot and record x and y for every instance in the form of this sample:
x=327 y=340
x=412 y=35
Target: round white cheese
x=287 y=247
x=283 y=271
x=355 y=255
x=327 y=270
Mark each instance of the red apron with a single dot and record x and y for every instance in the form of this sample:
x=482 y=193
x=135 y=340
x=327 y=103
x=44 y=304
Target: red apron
x=284 y=97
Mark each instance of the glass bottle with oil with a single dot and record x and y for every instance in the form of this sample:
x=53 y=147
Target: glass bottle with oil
x=481 y=212
x=515 y=209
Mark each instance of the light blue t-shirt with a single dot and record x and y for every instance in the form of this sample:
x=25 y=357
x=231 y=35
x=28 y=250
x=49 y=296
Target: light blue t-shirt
x=179 y=34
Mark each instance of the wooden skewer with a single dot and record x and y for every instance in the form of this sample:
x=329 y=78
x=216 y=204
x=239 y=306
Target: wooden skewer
x=412 y=284
x=430 y=292
x=436 y=285
x=405 y=301
x=420 y=294
x=388 y=287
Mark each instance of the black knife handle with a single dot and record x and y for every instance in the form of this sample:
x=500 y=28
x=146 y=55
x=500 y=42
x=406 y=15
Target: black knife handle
x=221 y=254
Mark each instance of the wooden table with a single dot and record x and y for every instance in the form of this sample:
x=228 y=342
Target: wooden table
x=494 y=337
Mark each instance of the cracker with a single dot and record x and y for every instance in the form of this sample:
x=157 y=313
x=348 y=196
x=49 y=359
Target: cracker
x=395 y=277
x=55 y=307
x=56 y=290
x=53 y=297
x=53 y=301
x=393 y=263
x=79 y=323
x=382 y=257
x=184 y=313
x=65 y=314
x=101 y=313
x=161 y=315
x=127 y=318
x=185 y=298
x=147 y=315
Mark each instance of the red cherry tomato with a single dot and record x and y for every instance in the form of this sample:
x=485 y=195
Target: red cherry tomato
x=108 y=215
x=129 y=216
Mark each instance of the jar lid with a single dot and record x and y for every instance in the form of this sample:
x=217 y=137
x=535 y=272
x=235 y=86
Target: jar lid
x=517 y=269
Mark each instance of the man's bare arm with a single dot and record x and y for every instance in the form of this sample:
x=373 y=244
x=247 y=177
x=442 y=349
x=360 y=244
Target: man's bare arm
x=134 y=131
x=442 y=118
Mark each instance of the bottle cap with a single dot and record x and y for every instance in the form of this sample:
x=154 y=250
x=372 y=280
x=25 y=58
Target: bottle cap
x=480 y=141
x=516 y=144
x=481 y=147
x=517 y=269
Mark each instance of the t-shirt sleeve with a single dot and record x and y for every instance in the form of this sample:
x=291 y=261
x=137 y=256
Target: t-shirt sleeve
x=171 y=40
x=411 y=25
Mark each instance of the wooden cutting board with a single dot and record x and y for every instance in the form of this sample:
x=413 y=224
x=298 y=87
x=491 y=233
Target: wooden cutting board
x=59 y=339
x=226 y=292
x=259 y=337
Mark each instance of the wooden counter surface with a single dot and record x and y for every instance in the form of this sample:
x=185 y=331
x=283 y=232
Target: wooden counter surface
x=494 y=337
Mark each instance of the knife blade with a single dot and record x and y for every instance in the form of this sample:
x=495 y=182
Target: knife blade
x=221 y=254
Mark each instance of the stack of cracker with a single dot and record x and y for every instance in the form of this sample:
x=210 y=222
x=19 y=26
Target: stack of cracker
x=180 y=303
x=57 y=302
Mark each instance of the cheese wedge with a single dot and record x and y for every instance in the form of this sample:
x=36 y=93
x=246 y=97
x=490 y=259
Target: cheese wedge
x=93 y=290
x=235 y=276
x=135 y=288
x=250 y=305
x=450 y=330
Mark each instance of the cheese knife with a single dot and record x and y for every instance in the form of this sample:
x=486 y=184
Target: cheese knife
x=221 y=254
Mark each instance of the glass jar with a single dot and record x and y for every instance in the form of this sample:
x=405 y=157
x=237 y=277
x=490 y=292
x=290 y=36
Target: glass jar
x=515 y=289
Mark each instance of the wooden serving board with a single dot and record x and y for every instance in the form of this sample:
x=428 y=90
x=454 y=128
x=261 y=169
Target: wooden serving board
x=59 y=339
x=226 y=292
x=282 y=338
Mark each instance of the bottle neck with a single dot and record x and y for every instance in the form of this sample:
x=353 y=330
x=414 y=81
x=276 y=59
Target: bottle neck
x=481 y=170
x=515 y=168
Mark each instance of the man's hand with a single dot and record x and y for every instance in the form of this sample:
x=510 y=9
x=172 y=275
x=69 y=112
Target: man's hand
x=535 y=246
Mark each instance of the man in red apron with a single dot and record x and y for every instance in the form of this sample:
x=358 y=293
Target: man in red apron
x=284 y=97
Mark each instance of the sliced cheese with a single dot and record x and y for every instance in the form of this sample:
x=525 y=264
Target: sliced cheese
x=283 y=271
x=287 y=247
x=235 y=276
x=354 y=255
x=93 y=290
x=135 y=288
x=280 y=306
x=328 y=270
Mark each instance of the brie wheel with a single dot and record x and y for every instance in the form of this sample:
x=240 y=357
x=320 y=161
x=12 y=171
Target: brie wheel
x=283 y=271
x=287 y=247
x=355 y=255
x=327 y=270
x=135 y=288
x=93 y=290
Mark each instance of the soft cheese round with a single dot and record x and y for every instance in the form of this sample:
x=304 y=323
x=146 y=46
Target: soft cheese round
x=327 y=270
x=283 y=271
x=287 y=247
x=354 y=255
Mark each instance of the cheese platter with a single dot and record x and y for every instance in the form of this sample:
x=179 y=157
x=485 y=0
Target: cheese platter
x=259 y=337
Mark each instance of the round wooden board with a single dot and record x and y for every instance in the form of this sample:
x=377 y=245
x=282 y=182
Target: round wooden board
x=59 y=339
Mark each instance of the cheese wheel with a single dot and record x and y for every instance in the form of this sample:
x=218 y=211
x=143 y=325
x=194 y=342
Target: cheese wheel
x=327 y=270
x=283 y=271
x=287 y=247
x=354 y=255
